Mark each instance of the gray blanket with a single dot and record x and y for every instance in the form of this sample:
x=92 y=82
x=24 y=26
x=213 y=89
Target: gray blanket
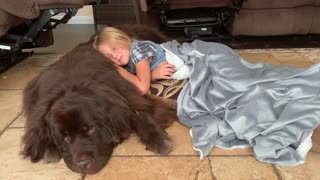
x=231 y=103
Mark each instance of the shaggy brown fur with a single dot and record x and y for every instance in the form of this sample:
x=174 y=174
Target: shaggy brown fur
x=80 y=109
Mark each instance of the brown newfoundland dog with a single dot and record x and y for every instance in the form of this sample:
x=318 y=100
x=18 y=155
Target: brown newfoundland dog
x=80 y=109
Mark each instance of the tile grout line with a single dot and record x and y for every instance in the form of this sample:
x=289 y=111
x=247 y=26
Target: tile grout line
x=277 y=172
x=14 y=119
x=15 y=127
x=11 y=90
x=276 y=59
x=317 y=152
x=233 y=155
x=173 y=155
x=211 y=170
x=155 y=155
x=274 y=169
x=280 y=63
x=306 y=57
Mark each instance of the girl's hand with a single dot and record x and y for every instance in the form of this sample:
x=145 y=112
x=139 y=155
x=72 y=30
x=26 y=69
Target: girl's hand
x=120 y=69
x=163 y=71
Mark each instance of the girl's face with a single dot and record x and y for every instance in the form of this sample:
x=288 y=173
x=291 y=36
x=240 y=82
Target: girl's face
x=118 y=55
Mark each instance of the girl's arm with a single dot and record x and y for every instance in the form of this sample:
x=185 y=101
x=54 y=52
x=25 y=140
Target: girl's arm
x=142 y=79
x=164 y=70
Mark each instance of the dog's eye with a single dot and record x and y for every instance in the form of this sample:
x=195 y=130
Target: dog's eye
x=67 y=139
x=90 y=130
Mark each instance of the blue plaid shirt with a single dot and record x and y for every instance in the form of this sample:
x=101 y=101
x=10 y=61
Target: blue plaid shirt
x=141 y=50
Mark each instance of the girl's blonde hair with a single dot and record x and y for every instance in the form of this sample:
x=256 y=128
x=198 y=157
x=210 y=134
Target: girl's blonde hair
x=114 y=37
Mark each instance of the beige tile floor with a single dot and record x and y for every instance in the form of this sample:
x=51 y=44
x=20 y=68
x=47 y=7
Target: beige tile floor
x=130 y=160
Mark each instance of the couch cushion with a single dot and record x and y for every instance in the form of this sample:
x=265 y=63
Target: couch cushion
x=315 y=26
x=7 y=21
x=282 y=21
x=26 y=9
x=48 y=4
x=276 y=4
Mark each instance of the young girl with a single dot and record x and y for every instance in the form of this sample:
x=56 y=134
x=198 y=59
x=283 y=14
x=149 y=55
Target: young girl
x=137 y=61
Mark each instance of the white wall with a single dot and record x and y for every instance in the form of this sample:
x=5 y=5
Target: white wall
x=84 y=16
x=85 y=11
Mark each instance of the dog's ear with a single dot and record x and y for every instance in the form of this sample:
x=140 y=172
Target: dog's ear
x=115 y=111
x=37 y=139
x=116 y=125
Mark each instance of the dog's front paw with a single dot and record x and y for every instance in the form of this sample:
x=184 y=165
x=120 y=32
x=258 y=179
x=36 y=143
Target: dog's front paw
x=162 y=146
x=51 y=156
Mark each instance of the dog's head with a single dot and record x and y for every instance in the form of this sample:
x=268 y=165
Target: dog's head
x=82 y=125
x=90 y=122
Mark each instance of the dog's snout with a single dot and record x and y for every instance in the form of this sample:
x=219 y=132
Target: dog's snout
x=84 y=164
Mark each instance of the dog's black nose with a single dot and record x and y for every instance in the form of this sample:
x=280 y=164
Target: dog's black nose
x=84 y=164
